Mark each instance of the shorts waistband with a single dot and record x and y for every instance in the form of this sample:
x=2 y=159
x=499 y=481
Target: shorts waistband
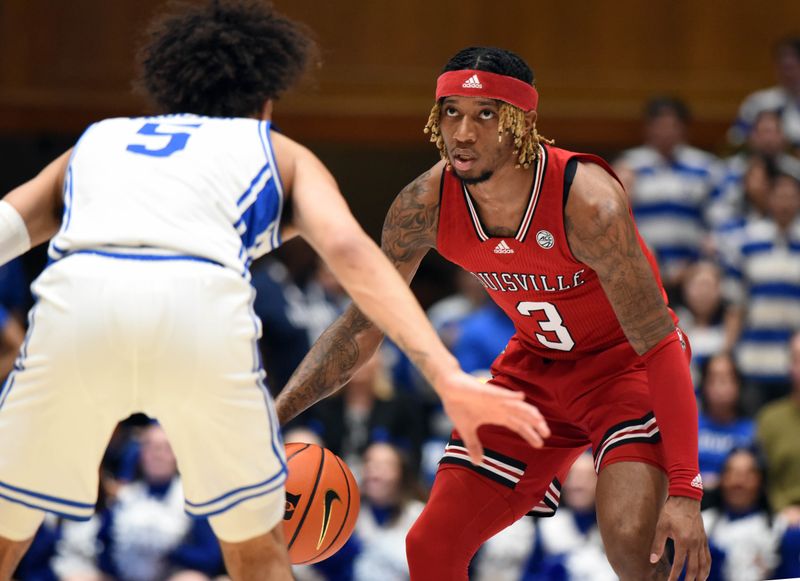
x=142 y=253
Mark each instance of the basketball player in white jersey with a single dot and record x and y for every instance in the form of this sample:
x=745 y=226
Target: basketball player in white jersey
x=146 y=305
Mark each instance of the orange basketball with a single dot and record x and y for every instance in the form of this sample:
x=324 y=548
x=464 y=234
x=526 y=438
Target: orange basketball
x=322 y=502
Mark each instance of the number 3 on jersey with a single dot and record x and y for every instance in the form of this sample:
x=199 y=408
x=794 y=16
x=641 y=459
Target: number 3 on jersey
x=177 y=139
x=553 y=323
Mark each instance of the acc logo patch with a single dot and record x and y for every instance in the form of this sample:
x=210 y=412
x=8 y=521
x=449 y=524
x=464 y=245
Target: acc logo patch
x=545 y=239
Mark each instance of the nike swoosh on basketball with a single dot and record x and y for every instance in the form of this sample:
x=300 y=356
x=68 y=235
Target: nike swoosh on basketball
x=330 y=496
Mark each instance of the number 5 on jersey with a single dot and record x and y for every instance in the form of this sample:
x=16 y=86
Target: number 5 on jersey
x=553 y=323
x=178 y=137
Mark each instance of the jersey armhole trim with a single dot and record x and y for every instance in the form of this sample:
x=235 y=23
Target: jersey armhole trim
x=569 y=176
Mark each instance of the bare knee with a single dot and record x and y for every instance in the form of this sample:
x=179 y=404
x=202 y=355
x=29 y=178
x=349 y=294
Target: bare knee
x=628 y=549
x=629 y=498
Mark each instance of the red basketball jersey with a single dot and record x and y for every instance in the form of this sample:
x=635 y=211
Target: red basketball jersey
x=556 y=302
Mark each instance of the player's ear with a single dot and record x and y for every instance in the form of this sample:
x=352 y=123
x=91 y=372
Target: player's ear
x=530 y=119
x=266 y=110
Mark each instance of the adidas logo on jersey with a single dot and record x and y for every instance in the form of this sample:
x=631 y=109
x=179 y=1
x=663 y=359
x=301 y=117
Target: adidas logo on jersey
x=472 y=83
x=697 y=482
x=503 y=248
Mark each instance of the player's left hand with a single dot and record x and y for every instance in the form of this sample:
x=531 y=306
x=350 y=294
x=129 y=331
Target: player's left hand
x=680 y=520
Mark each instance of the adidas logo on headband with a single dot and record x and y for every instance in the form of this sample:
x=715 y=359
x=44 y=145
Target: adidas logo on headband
x=472 y=83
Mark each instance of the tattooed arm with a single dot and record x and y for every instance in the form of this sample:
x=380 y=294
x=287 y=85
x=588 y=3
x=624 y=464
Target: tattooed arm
x=409 y=231
x=601 y=233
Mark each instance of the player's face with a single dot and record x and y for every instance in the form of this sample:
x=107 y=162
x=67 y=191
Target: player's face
x=469 y=128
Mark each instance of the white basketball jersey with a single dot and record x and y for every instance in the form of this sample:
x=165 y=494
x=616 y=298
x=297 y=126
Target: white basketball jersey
x=201 y=187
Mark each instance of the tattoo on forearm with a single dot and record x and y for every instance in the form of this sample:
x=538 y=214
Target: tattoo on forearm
x=409 y=230
x=328 y=366
x=608 y=244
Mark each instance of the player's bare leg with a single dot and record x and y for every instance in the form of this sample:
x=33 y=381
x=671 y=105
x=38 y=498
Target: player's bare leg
x=259 y=558
x=629 y=498
x=11 y=553
x=18 y=525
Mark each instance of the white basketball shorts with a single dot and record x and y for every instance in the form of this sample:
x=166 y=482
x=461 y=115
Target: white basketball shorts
x=172 y=338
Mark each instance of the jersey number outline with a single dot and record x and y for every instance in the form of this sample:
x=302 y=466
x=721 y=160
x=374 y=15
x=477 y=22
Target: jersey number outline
x=554 y=324
x=177 y=139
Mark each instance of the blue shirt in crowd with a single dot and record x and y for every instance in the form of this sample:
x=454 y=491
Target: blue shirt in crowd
x=716 y=440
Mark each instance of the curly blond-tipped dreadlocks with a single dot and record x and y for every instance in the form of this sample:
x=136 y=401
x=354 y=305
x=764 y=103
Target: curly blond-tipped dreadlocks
x=512 y=119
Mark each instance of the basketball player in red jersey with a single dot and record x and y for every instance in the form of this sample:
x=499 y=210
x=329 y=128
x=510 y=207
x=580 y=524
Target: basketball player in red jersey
x=549 y=233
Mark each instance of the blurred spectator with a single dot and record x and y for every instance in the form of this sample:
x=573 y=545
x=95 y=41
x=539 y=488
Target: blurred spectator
x=120 y=463
x=145 y=535
x=784 y=99
x=571 y=547
x=789 y=550
x=738 y=523
x=672 y=188
x=11 y=337
x=779 y=434
x=506 y=555
x=296 y=301
x=721 y=425
x=446 y=314
x=368 y=410
x=750 y=196
x=14 y=293
x=748 y=174
x=280 y=306
x=482 y=337
x=764 y=279
x=76 y=551
x=391 y=500
x=704 y=316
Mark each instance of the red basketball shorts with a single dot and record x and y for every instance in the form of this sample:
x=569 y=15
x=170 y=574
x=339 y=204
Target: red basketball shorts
x=600 y=401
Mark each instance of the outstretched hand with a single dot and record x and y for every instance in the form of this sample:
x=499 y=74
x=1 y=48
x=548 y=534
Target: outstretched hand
x=680 y=520
x=470 y=403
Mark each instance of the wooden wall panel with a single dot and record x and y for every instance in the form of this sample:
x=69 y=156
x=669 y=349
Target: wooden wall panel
x=66 y=62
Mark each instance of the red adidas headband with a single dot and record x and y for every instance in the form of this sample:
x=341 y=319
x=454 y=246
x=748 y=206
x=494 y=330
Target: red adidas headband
x=470 y=83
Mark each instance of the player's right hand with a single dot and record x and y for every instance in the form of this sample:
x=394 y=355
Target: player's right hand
x=680 y=520
x=470 y=404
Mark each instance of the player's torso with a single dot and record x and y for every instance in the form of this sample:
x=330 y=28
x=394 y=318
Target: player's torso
x=184 y=184
x=556 y=302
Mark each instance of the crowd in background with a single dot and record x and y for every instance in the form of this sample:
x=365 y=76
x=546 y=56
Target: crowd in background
x=726 y=233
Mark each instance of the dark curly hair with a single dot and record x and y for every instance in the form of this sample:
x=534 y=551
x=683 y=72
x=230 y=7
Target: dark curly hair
x=223 y=59
x=491 y=60
x=512 y=119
